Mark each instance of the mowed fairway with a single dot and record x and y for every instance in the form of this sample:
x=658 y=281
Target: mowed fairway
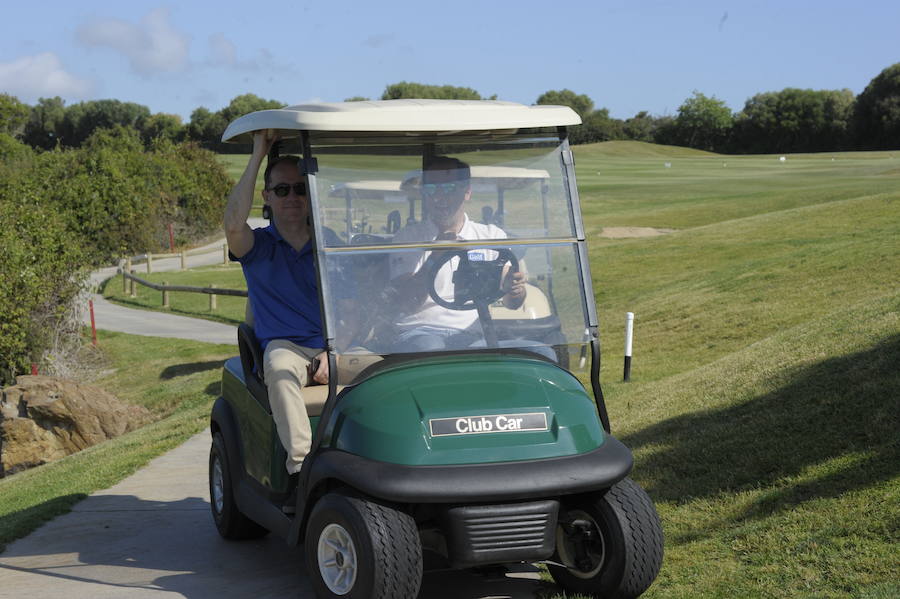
x=765 y=394
x=764 y=405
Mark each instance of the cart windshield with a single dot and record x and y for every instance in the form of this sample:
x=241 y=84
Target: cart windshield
x=438 y=246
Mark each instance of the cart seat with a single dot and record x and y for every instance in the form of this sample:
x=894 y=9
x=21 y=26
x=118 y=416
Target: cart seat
x=314 y=395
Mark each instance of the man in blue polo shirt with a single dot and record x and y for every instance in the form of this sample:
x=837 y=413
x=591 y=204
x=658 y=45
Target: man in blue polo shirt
x=281 y=284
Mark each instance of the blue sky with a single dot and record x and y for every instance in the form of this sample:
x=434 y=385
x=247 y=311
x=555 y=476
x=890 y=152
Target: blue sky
x=627 y=56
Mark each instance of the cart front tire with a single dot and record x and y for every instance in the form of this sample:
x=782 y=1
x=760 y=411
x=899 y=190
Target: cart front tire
x=356 y=548
x=230 y=522
x=621 y=554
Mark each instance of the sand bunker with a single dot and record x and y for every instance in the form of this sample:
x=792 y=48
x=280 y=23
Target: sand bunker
x=627 y=232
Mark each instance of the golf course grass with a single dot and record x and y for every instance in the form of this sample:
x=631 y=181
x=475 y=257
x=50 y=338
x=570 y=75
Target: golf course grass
x=764 y=407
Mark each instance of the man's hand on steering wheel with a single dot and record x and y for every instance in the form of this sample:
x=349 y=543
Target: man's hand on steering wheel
x=514 y=286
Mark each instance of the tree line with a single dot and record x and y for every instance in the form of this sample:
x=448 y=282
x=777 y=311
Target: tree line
x=790 y=120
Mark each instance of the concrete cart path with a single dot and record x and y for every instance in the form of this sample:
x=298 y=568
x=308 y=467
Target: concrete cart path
x=113 y=317
x=152 y=535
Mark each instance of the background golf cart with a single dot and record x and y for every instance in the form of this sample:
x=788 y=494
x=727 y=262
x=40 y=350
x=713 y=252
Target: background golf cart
x=388 y=469
x=369 y=202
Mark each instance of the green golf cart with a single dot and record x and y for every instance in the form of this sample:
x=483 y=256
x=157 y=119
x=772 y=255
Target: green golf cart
x=492 y=452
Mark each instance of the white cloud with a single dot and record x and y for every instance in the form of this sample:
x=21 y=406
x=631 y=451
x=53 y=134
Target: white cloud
x=152 y=46
x=41 y=75
x=222 y=51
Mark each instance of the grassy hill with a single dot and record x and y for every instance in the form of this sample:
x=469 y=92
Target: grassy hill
x=635 y=149
x=764 y=408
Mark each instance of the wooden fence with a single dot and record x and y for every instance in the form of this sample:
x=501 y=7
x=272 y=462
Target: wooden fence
x=128 y=281
x=149 y=258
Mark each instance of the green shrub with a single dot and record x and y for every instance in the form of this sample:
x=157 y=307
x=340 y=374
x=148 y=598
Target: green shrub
x=119 y=199
x=12 y=150
x=195 y=186
x=41 y=273
x=66 y=211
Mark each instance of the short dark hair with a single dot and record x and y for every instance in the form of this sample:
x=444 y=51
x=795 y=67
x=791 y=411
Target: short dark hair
x=295 y=160
x=447 y=163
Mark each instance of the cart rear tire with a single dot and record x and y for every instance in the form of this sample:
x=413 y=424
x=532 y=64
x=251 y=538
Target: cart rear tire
x=626 y=553
x=357 y=548
x=230 y=522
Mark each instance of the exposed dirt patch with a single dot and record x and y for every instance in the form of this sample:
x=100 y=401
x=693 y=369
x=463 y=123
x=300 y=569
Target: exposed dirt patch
x=627 y=232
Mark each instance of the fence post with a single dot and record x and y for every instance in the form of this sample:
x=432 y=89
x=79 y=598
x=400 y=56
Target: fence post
x=125 y=280
x=93 y=323
x=165 y=294
x=149 y=263
x=183 y=259
x=225 y=254
x=212 y=300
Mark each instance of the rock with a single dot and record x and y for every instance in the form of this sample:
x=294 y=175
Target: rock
x=44 y=418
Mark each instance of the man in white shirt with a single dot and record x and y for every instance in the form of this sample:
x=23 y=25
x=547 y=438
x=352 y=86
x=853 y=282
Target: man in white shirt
x=425 y=325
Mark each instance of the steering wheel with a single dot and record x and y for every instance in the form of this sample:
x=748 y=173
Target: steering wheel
x=475 y=281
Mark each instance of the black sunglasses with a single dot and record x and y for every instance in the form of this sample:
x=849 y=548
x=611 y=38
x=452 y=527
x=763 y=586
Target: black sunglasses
x=444 y=189
x=282 y=189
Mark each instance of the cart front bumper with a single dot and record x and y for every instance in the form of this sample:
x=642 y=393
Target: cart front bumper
x=477 y=483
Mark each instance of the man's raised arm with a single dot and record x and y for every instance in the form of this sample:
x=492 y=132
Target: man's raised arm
x=237 y=232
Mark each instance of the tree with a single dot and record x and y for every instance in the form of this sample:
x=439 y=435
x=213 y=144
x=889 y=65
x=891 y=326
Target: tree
x=82 y=119
x=794 y=120
x=13 y=115
x=408 y=89
x=640 y=127
x=580 y=103
x=44 y=122
x=245 y=104
x=162 y=126
x=877 y=113
x=703 y=122
x=597 y=126
x=357 y=99
x=665 y=132
x=206 y=127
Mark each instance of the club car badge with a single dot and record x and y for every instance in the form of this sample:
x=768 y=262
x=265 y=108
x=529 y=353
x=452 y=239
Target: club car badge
x=494 y=423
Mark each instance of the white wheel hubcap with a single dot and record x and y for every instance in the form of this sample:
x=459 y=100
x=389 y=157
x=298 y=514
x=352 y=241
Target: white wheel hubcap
x=337 y=559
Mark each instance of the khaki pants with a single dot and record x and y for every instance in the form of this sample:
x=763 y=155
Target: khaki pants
x=285 y=369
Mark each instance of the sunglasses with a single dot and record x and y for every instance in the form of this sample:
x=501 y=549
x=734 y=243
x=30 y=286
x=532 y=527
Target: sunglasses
x=444 y=189
x=283 y=189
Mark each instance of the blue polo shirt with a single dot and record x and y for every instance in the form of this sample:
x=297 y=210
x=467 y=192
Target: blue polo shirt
x=283 y=290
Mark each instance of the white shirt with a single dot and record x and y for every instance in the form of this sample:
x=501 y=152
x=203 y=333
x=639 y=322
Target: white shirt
x=408 y=262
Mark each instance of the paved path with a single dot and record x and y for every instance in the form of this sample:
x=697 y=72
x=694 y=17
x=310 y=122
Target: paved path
x=113 y=317
x=152 y=535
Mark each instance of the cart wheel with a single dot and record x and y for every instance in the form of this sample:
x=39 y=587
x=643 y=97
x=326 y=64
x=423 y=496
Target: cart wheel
x=613 y=544
x=230 y=522
x=357 y=548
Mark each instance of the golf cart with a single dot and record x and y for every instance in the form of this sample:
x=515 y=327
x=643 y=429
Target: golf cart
x=476 y=456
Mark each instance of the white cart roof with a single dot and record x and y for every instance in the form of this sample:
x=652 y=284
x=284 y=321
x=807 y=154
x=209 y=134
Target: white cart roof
x=374 y=185
x=399 y=116
x=504 y=177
